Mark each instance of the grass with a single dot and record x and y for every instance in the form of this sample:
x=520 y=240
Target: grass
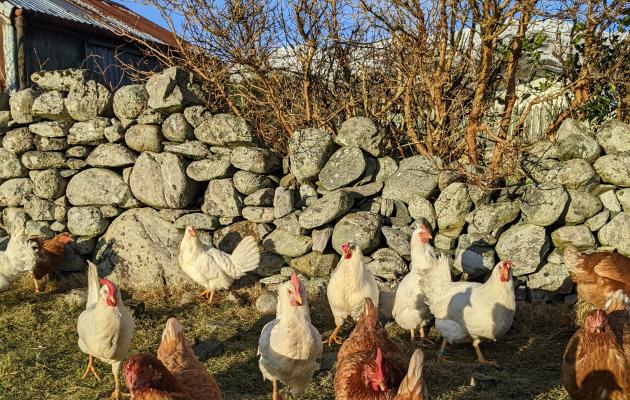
x=40 y=359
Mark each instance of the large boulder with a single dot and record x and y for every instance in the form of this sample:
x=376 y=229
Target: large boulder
x=254 y=159
x=525 y=245
x=89 y=132
x=489 y=218
x=475 y=254
x=309 y=149
x=575 y=140
x=616 y=233
x=18 y=140
x=51 y=105
x=578 y=236
x=49 y=184
x=362 y=133
x=543 y=204
x=43 y=159
x=86 y=221
x=177 y=129
x=159 y=180
x=98 y=187
x=21 y=104
x=247 y=183
x=144 y=137
x=215 y=166
x=387 y=264
x=172 y=90
x=614 y=168
x=326 y=209
x=451 y=208
x=363 y=227
x=88 y=100
x=345 y=166
x=315 y=263
x=140 y=251
x=221 y=199
x=582 y=206
x=287 y=244
x=576 y=174
x=14 y=191
x=10 y=165
x=224 y=129
x=62 y=80
x=416 y=176
x=111 y=155
x=614 y=136
x=130 y=101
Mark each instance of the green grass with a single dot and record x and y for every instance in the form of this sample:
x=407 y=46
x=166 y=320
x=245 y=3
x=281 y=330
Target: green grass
x=40 y=359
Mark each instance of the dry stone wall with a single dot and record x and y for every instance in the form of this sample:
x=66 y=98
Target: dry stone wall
x=126 y=172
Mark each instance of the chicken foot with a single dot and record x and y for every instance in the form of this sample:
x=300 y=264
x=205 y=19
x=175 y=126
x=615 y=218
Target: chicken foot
x=36 y=284
x=276 y=392
x=333 y=337
x=207 y=294
x=441 y=357
x=90 y=368
x=117 y=394
x=480 y=358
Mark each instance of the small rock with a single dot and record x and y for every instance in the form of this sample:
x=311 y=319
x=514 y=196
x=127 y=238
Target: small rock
x=192 y=149
x=90 y=132
x=247 y=183
x=398 y=240
x=451 y=208
x=309 y=150
x=195 y=115
x=14 y=191
x=171 y=90
x=221 y=199
x=361 y=132
x=21 y=104
x=582 y=206
x=259 y=215
x=290 y=224
x=197 y=220
x=326 y=209
x=345 y=166
x=88 y=100
x=576 y=141
x=616 y=232
x=177 y=129
x=321 y=237
x=543 y=204
x=224 y=129
x=597 y=221
x=387 y=264
x=49 y=184
x=260 y=198
x=254 y=159
x=43 y=160
x=579 y=236
x=216 y=166
x=315 y=264
x=76 y=298
x=416 y=176
x=552 y=278
x=130 y=101
x=524 y=244
x=144 y=138
x=111 y=155
x=614 y=168
x=266 y=303
x=387 y=166
x=490 y=218
x=614 y=136
x=10 y=166
x=86 y=221
x=362 y=227
x=18 y=141
x=283 y=201
x=287 y=244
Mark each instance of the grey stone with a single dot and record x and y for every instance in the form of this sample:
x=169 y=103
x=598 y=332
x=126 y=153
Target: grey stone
x=287 y=244
x=159 y=180
x=21 y=104
x=614 y=168
x=260 y=198
x=266 y=303
x=50 y=144
x=254 y=159
x=140 y=251
x=224 y=129
x=597 y=221
x=316 y=287
x=578 y=236
x=78 y=151
x=171 y=90
x=215 y=166
x=10 y=166
x=151 y=117
x=614 y=136
x=309 y=149
x=192 y=149
x=582 y=206
x=574 y=140
x=362 y=227
x=144 y=138
x=387 y=264
x=49 y=184
x=443 y=242
x=451 y=208
x=13 y=192
x=283 y=201
x=397 y=240
x=616 y=232
x=577 y=174
x=490 y=218
x=76 y=164
x=387 y=166
x=12 y=216
x=260 y=215
x=345 y=166
x=416 y=176
x=115 y=132
x=130 y=101
x=227 y=238
x=90 y=132
x=543 y=204
x=623 y=196
x=420 y=208
x=5 y=117
x=221 y=199
x=111 y=155
x=247 y=183
x=524 y=244
x=39 y=209
x=543 y=149
x=270 y=264
x=88 y=100
x=62 y=80
x=475 y=254
x=326 y=209
x=110 y=211
x=86 y=221
x=610 y=201
x=177 y=129
x=363 y=191
x=308 y=192
x=361 y=132
x=198 y=220
x=98 y=187
x=195 y=115
x=39 y=229
x=18 y=141
x=552 y=278
x=290 y=224
x=43 y=159
x=315 y=264
x=51 y=106
x=321 y=237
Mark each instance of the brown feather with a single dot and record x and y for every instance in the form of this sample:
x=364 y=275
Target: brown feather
x=148 y=379
x=50 y=254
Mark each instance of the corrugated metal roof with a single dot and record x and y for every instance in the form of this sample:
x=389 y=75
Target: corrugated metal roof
x=105 y=15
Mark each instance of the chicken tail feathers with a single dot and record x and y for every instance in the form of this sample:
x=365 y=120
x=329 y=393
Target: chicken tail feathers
x=93 y=285
x=413 y=386
x=21 y=252
x=572 y=258
x=173 y=333
x=617 y=301
x=245 y=258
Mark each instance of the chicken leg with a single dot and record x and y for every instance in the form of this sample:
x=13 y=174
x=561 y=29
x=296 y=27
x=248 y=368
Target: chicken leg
x=423 y=336
x=90 y=368
x=276 y=392
x=480 y=358
x=413 y=335
x=116 y=394
x=333 y=337
x=36 y=284
x=441 y=357
x=207 y=294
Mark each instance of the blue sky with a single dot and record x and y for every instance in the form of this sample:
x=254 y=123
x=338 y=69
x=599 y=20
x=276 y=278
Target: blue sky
x=146 y=11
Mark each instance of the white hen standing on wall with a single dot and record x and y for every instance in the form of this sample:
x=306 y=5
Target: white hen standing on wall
x=410 y=309
x=105 y=327
x=212 y=268
x=290 y=345
x=350 y=283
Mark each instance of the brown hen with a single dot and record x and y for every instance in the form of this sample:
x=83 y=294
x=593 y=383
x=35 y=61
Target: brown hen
x=596 y=362
x=148 y=379
x=50 y=255
x=598 y=275
x=178 y=357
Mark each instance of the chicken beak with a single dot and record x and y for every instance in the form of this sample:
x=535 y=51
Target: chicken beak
x=381 y=386
x=297 y=298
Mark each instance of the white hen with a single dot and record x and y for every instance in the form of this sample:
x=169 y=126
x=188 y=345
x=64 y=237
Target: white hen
x=212 y=268
x=410 y=308
x=19 y=257
x=350 y=283
x=105 y=327
x=290 y=345
x=470 y=310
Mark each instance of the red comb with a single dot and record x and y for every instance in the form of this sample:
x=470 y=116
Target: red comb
x=379 y=357
x=295 y=281
x=110 y=286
